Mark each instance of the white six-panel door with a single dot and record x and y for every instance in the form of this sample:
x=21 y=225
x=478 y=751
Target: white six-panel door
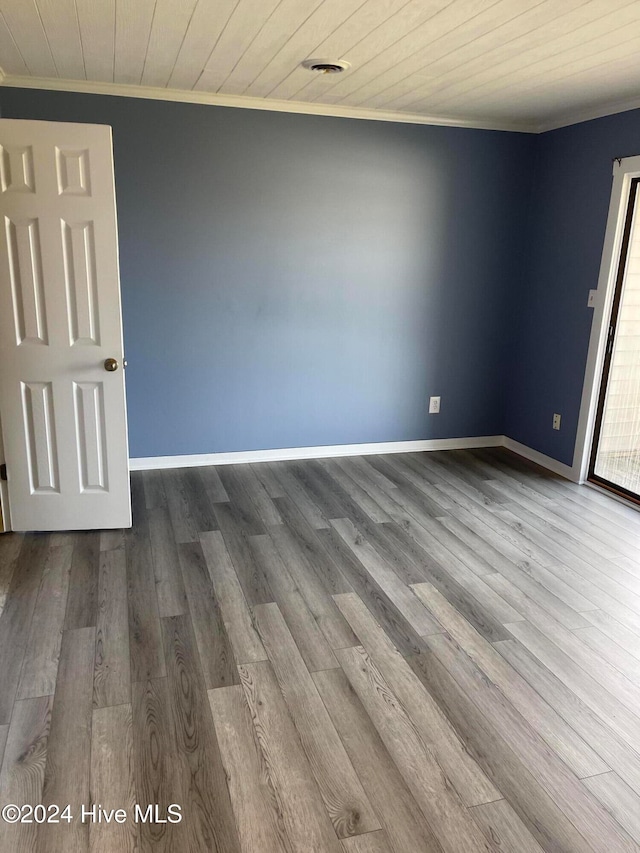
x=63 y=414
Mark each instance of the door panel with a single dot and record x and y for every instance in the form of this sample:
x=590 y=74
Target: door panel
x=80 y=278
x=63 y=415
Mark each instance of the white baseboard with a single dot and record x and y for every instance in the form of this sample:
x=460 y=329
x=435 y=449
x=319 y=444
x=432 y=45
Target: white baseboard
x=150 y=463
x=541 y=459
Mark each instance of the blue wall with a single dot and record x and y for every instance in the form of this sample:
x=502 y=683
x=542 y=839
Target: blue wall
x=572 y=178
x=294 y=280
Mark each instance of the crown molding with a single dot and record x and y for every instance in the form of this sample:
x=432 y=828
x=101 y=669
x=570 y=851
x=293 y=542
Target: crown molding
x=125 y=90
x=590 y=114
x=249 y=103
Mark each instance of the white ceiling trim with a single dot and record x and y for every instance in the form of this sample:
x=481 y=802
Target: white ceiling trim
x=244 y=102
x=272 y=105
x=589 y=114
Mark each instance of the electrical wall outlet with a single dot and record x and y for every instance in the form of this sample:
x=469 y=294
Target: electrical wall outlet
x=556 y=421
x=434 y=405
x=591 y=301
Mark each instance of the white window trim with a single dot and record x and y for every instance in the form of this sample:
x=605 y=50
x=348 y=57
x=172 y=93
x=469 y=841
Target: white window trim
x=624 y=171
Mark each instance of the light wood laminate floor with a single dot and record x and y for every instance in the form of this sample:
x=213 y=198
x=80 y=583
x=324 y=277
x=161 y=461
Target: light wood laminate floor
x=420 y=652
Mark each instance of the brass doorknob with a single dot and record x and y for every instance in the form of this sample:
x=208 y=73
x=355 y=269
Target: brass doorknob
x=110 y=364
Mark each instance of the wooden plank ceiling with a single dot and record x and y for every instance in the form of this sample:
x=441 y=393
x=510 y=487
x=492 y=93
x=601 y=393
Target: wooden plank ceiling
x=517 y=62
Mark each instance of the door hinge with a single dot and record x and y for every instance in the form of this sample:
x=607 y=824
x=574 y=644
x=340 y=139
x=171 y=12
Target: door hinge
x=3 y=472
x=612 y=332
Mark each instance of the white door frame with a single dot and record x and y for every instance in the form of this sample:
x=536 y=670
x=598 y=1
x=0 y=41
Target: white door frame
x=624 y=171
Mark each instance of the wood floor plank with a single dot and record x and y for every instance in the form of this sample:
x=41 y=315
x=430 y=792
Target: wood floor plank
x=111 y=540
x=112 y=779
x=390 y=617
x=433 y=727
x=362 y=498
x=502 y=540
x=445 y=467
x=611 y=678
x=502 y=826
x=559 y=550
x=372 y=842
x=342 y=792
x=312 y=645
x=536 y=808
x=535 y=581
x=112 y=675
x=145 y=642
x=4 y=731
x=341 y=498
x=612 y=533
x=613 y=653
x=364 y=477
x=619 y=800
x=184 y=526
x=592 y=729
x=16 y=617
x=67 y=770
x=208 y=822
x=421 y=771
x=606 y=706
x=462 y=577
x=411 y=562
x=236 y=616
x=247 y=515
x=10 y=545
x=552 y=774
x=265 y=473
x=401 y=595
x=309 y=549
x=603 y=520
x=332 y=624
x=254 y=583
x=190 y=508
x=423 y=498
x=154 y=493
x=214 y=647
x=607 y=539
x=608 y=571
x=305 y=819
x=460 y=564
x=155 y=762
x=296 y=492
x=254 y=797
x=260 y=498
x=437 y=569
x=406 y=826
x=615 y=511
x=82 y=602
x=199 y=503
x=313 y=480
x=373 y=473
x=23 y=766
x=549 y=520
x=621 y=635
x=172 y=600
x=213 y=484
x=560 y=736
x=40 y=664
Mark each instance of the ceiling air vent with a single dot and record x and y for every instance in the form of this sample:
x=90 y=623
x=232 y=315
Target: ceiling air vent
x=326 y=66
